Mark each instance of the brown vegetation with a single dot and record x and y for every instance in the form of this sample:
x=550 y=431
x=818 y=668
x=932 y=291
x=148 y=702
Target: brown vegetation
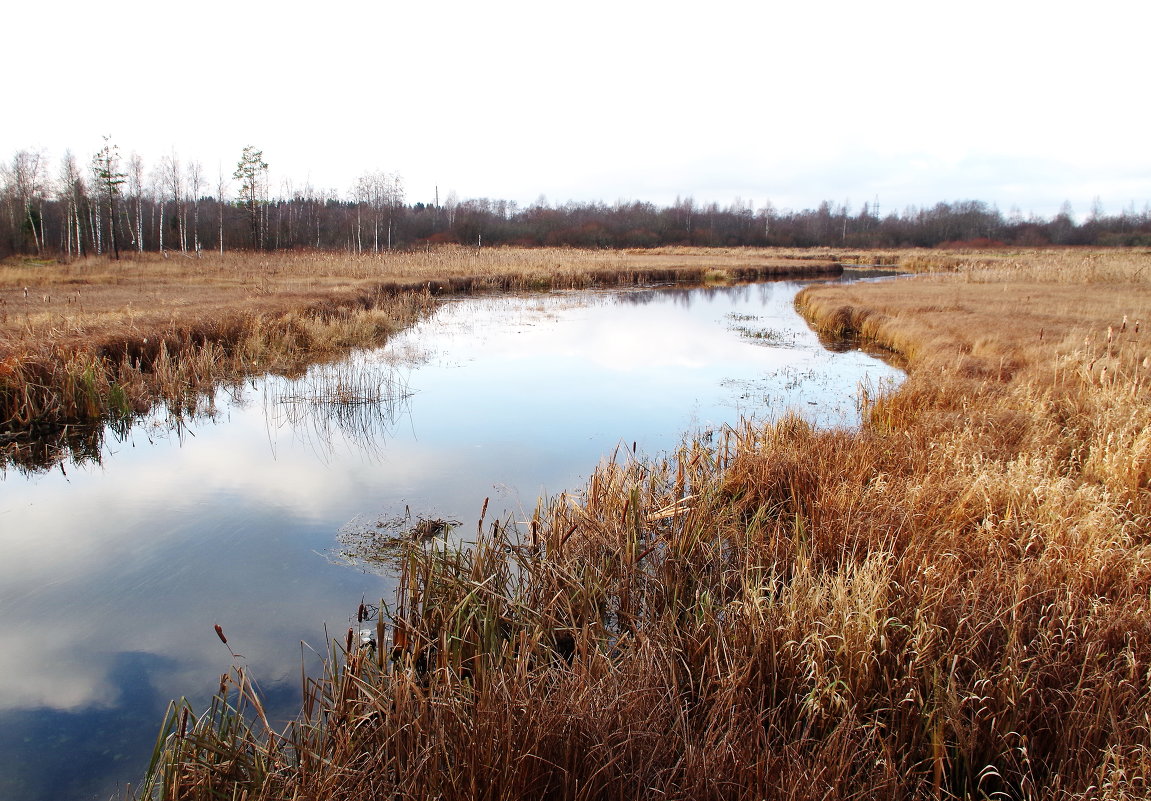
x=93 y=340
x=951 y=602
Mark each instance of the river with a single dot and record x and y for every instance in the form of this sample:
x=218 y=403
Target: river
x=114 y=571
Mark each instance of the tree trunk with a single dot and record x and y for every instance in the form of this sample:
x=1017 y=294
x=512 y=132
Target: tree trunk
x=97 y=226
x=196 y=226
x=112 y=223
x=139 y=224
x=32 y=225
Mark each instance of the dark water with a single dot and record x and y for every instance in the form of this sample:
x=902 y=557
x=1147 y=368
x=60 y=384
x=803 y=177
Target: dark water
x=113 y=574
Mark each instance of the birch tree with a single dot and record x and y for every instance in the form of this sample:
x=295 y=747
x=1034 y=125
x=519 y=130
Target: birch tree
x=71 y=192
x=25 y=180
x=221 y=201
x=136 y=192
x=196 y=184
x=159 y=193
x=364 y=195
x=173 y=179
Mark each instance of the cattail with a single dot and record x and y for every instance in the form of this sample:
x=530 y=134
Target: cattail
x=220 y=634
x=1110 y=334
x=1124 y=326
x=348 y=646
x=361 y=614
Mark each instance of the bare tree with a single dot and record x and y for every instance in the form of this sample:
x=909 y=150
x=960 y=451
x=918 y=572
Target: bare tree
x=136 y=192
x=382 y=193
x=71 y=192
x=158 y=183
x=221 y=200
x=173 y=180
x=451 y=203
x=361 y=196
x=25 y=181
x=196 y=184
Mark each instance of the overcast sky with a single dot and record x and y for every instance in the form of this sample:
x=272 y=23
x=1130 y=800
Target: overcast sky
x=1019 y=103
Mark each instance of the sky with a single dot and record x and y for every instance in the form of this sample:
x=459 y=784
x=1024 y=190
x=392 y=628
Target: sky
x=1018 y=103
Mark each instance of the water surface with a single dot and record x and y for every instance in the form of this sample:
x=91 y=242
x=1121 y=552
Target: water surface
x=113 y=574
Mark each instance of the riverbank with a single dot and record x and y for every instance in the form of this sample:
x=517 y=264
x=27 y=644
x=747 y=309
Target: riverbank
x=99 y=340
x=949 y=602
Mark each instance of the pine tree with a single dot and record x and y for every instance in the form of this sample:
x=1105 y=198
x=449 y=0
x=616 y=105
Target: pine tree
x=105 y=167
x=251 y=172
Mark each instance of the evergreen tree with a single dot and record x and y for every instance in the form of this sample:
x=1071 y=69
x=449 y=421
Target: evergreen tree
x=251 y=172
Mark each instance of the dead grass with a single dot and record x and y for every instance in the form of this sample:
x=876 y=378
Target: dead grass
x=99 y=300
x=98 y=340
x=952 y=602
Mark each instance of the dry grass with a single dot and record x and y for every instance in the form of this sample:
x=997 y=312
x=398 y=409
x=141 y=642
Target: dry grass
x=952 y=602
x=1037 y=356
x=100 y=300
x=98 y=340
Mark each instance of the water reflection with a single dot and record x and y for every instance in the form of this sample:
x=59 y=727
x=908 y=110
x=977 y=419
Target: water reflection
x=114 y=570
x=359 y=401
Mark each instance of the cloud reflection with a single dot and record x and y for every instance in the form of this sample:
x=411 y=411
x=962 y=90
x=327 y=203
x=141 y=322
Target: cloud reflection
x=235 y=521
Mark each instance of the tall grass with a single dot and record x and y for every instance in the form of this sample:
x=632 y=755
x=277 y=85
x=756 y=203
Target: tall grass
x=952 y=602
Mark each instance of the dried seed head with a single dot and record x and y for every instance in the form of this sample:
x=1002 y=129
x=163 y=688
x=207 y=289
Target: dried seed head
x=220 y=634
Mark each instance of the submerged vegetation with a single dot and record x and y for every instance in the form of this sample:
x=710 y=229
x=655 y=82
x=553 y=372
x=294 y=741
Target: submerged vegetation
x=950 y=602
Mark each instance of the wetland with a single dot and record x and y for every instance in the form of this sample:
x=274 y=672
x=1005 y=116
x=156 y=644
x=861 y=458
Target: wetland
x=260 y=511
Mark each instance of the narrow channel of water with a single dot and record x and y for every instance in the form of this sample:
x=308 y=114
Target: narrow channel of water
x=113 y=574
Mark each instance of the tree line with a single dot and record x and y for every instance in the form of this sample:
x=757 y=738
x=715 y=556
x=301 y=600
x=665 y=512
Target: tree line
x=110 y=204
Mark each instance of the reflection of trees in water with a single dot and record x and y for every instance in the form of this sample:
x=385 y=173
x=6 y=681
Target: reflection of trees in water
x=356 y=402
x=687 y=295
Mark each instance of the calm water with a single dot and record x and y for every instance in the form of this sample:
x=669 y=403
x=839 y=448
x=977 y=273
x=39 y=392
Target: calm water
x=112 y=575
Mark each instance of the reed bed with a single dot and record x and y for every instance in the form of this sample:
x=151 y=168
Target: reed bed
x=951 y=602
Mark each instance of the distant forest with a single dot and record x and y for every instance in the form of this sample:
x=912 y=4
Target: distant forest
x=112 y=205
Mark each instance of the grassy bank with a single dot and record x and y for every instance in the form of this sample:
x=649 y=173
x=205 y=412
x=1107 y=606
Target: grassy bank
x=951 y=602
x=98 y=340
